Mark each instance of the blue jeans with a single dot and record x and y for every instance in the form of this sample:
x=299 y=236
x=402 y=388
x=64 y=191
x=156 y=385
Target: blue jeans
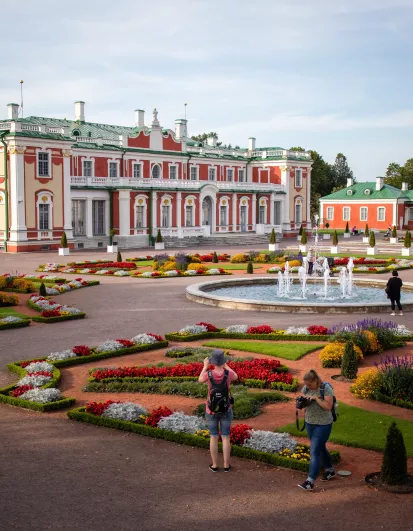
x=319 y=455
x=220 y=421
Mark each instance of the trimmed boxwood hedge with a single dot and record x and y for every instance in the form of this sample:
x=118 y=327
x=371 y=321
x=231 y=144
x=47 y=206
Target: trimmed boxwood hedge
x=40 y=319
x=174 y=336
x=191 y=440
x=380 y=397
x=21 y=324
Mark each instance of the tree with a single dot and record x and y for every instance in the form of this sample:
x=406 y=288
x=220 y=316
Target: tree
x=159 y=238
x=407 y=240
x=250 y=268
x=272 y=237
x=42 y=290
x=396 y=174
x=349 y=362
x=394 y=464
x=372 y=240
x=215 y=258
x=203 y=136
x=321 y=180
x=63 y=241
x=341 y=171
x=118 y=257
x=304 y=238
x=347 y=229
x=394 y=232
x=335 y=239
x=298 y=148
x=366 y=230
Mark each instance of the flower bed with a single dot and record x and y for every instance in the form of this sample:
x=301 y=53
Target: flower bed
x=18 y=284
x=178 y=273
x=52 y=312
x=185 y=429
x=13 y=322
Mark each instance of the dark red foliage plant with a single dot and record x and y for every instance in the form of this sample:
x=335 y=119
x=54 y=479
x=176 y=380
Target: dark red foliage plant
x=98 y=408
x=210 y=327
x=156 y=415
x=239 y=434
x=261 y=329
x=81 y=350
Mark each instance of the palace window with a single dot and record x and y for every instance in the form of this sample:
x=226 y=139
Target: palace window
x=298 y=178
x=43 y=164
x=212 y=174
x=137 y=170
x=261 y=214
x=173 y=172
x=44 y=216
x=330 y=213
x=113 y=169
x=230 y=174
x=194 y=173
x=140 y=220
x=189 y=216
x=241 y=176
x=381 y=214
x=98 y=217
x=156 y=171
x=223 y=216
x=87 y=168
x=79 y=217
x=363 y=213
x=346 y=213
x=410 y=214
x=165 y=215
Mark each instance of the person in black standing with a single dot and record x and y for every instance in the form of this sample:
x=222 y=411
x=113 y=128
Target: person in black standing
x=394 y=285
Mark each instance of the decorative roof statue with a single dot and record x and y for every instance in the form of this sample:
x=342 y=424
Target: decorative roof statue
x=155 y=120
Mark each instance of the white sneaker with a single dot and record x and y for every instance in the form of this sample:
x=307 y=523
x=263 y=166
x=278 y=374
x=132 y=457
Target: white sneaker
x=401 y=313
x=392 y=313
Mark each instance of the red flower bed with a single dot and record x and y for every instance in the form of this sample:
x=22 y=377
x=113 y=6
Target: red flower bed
x=317 y=330
x=26 y=363
x=359 y=261
x=81 y=350
x=156 y=274
x=50 y=313
x=20 y=390
x=40 y=373
x=258 y=369
x=262 y=329
x=206 y=257
x=210 y=327
x=97 y=408
x=200 y=271
x=239 y=434
x=126 y=342
x=156 y=415
x=223 y=257
x=156 y=336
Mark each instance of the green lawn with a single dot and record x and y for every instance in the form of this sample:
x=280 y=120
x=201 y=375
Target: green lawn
x=144 y=263
x=9 y=310
x=287 y=351
x=361 y=429
x=233 y=267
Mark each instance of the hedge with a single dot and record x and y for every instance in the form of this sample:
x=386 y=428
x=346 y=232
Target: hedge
x=20 y=324
x=174 y=336
x=40 y=319
x=380 y=397
x=190 y=440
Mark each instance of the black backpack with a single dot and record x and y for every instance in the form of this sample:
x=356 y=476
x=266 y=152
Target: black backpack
x=334 y=411
x=219 y=399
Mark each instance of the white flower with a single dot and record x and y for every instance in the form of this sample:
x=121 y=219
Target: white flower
x=268 y=441
x=213 y=271
x=144 y=339
x=102 y=272
x=237 y=329
x=43 y=396
x=38 y=366
x=75 y=284
x=70 y=309
x=401 y=330
x=190 y=272
x=84 y=271
x=193 y=330
x=70 y=270
x=172 y=273
x=297 y=330
x=52 y=291
x=180 y=423
x=11 y=319
x=36 y=381
x=63 y=355
x=109 y=345
x=275 y=268
x=146 y=274
x=361 y=268
x=121 y=273
x=50 y=277
x=124 y=411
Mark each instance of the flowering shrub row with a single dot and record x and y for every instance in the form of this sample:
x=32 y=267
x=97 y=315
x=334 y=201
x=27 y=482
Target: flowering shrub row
x=50 y=308
x=332 y=354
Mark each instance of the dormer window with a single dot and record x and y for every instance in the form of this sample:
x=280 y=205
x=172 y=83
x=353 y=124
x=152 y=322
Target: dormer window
x=349 y=192
x=76 y=132
x=367 y=191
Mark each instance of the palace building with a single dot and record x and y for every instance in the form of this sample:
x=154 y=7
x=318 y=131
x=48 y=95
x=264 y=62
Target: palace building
x=83 y=178
x=375 y=203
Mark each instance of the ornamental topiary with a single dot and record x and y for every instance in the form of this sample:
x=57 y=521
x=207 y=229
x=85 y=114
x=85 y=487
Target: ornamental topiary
x=63 y=241
x=372 y=240
x=159 y=238
x=300 y=232
x=335 y=239
x=215 y=258
x=119 y=257
x=111 y=235
x=394 y=232
x=42 y=290
x=272 y=237
x=394 y=465
x=332 y=354
x=250 y=268
x=304 y=238
x=366 y=230
x=408 y=240
x=349 y=362
x=347 y=229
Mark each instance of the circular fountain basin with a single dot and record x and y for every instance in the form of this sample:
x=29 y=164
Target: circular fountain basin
x=260 y=294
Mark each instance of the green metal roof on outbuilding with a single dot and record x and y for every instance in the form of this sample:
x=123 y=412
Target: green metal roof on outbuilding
x=358 y=192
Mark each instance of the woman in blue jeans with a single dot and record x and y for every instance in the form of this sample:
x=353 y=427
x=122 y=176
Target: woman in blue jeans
x=318 y=423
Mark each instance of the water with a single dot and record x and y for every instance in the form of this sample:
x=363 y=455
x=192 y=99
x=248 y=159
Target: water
x=315 y=293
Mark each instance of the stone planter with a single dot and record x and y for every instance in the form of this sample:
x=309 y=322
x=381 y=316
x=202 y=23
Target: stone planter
x=371 y=250
x=406 y=251
x=394 y=240
x=335 y=249
x=299 y=238
x=326 y=236
x=273 y=247
x=112 y=248
x=159 y=246
x=303 y=248
x=366 y=239
x=347 y=235
x=63 y=251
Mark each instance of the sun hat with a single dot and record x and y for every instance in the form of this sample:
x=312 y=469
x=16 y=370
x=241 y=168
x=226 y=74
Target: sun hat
x=217 y=358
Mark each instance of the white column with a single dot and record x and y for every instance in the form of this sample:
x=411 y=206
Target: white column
x=67 y=206
x=254 y=212
x=18 y=230
x=89 y=218
x=272 y=199
x=124 y=212
x=285 y=205
x=308 y=198
x=179 y=210
x=154 y=214
x=234 y=212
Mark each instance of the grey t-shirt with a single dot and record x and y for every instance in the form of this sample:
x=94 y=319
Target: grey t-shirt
x=314 y=414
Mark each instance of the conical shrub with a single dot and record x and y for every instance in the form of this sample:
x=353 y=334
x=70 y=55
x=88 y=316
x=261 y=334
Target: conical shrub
x=250 y=268
x=366 y=230
x=215 y=258
x=63 y=241
x=394 y=465
x=408 y=240
x=159 y=238
x=272 y=237
x=300 y=232
x=42 y=290
x=349 y=362
x=335 y=239
x=372 y=240
x=304 y=238
x=394 y=232
x=347 y=229
x=119 y=257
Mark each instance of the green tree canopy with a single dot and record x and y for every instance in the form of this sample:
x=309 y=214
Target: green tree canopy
x=341 y=171
x=396 y=174
x=203 y=136
x=298 y=148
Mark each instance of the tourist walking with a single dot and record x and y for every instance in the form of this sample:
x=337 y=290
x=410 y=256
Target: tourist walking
x=218 y=414
x=318 y=423
x=310 y=261
x=393 y=289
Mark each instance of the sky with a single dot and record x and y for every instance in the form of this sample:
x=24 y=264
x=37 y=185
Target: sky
x=333 y=76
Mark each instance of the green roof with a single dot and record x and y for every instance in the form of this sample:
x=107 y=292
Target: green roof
x=358 y=192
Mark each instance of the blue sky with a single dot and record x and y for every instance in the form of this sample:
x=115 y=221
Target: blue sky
x=330 y=76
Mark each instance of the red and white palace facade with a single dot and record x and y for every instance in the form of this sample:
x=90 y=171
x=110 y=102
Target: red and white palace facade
x=86 y=178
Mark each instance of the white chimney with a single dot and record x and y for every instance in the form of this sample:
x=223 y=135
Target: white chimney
x=349 y=182
x=139 y=118
x=379 y=183
x=79 y=111
x=181 y=128
x=405 y=186
x=251 y=143
x=12 y=111
x=212 y=141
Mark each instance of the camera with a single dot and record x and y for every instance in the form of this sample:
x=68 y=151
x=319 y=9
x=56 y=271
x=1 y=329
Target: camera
x=302 y=402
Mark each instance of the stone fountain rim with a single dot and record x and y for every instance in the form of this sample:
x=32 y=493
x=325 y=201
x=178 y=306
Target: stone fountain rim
x=199 y=293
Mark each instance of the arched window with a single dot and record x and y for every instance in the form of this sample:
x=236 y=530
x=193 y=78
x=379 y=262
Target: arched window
x=298 y=210
x=140 y=212
x=44 y=206
x=156 y=171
